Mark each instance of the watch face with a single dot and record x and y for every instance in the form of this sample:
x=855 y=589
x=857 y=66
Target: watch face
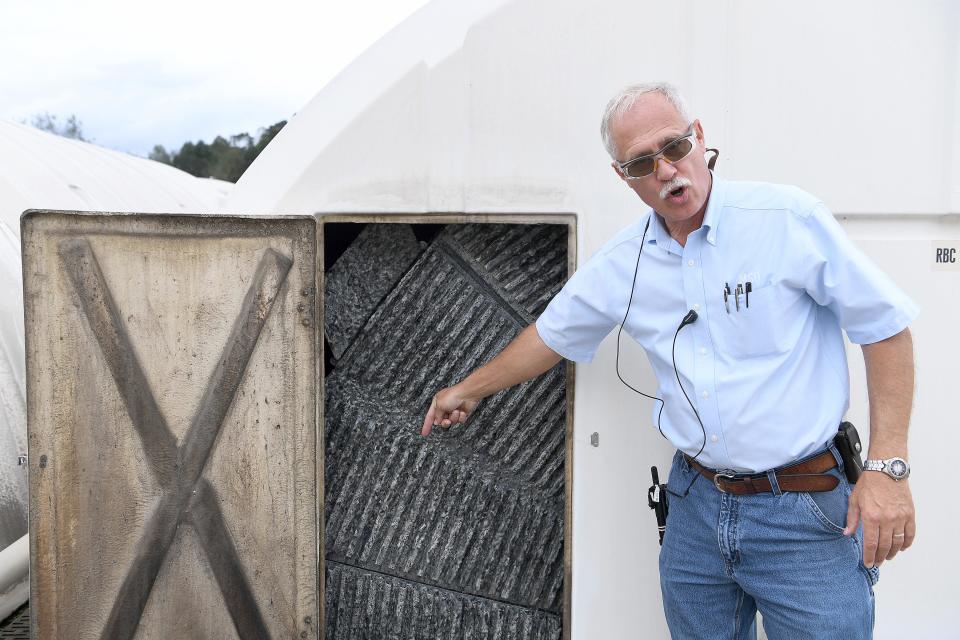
x=898 y=468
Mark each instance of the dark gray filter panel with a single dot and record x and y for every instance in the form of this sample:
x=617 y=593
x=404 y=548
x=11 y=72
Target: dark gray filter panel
x=469 y=522
x=529 y=262
x=362 y=276
x=365 y=604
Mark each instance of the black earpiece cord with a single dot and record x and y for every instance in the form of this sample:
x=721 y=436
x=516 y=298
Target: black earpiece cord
x=689 y=319
x=633 y=286
x=673 y=355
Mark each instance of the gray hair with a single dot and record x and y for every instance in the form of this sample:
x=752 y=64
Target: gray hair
x=624 y=101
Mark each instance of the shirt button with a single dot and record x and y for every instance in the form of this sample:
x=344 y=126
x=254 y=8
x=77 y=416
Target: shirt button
x=690 y=263
x=696 y=307
x=705 y=394
x=714 y=438
x=703 y=352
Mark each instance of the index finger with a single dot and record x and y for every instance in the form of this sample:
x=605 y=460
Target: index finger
x=429 y=419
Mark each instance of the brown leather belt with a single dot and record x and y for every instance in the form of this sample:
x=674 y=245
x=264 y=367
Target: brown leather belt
x=807 y=476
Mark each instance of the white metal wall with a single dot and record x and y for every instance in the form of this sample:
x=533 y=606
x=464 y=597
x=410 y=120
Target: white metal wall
x=915 y=595
x=855 y=102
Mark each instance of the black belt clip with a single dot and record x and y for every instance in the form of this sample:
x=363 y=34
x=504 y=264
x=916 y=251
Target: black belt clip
x=657 y=500
x=848 y=444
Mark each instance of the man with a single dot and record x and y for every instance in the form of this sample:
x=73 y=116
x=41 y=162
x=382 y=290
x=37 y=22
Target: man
x=738 y=292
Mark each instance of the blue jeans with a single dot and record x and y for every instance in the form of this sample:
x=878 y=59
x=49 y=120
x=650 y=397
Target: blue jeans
x=726 y=556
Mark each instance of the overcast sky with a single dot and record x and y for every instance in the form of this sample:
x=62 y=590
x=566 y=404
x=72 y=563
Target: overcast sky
x=138 y=74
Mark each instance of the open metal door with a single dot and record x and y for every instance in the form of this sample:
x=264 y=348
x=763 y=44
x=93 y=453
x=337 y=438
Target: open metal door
x=172 y=417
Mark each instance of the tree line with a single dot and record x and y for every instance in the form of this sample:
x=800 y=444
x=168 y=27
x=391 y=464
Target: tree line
x=224 y=158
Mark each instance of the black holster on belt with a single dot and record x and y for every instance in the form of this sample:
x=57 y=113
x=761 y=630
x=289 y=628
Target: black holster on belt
x=657 y=500
x=848 y=444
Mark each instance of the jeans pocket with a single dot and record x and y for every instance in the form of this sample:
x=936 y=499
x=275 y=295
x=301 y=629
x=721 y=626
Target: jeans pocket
x=872 y=574
x=830 y=507
x=681 y=477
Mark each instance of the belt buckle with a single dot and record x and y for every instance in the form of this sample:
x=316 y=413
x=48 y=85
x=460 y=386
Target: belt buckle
x=725 y=473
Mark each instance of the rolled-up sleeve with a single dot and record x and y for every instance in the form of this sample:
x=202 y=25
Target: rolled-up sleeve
x=579 y=317
x=837 y=275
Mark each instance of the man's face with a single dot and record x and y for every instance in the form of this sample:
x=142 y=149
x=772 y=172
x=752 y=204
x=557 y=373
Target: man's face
x=651 y=123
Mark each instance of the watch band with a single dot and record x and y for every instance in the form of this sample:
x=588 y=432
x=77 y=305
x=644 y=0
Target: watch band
x=896 y=468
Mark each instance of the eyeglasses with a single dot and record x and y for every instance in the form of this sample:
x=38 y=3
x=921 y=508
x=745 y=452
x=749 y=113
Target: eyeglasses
x=674 y=151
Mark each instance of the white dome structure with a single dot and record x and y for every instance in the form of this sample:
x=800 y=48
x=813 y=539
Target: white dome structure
x=42 y=170
x=495 y=106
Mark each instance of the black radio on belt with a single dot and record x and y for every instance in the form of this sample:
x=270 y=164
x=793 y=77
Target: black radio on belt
x=657 y=500
x=848 y=443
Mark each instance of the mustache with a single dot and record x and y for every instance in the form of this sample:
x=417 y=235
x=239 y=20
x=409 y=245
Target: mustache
x=676 y=183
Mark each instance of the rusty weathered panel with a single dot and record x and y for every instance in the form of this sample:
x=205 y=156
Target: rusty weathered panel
x=172 y=419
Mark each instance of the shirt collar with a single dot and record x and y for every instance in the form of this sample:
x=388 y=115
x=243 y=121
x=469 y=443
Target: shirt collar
x=658 y=230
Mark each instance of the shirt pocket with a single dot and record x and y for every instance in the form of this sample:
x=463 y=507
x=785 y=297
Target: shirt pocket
x=767 y=327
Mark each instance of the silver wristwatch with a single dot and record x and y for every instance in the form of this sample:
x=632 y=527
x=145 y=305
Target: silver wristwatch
x=896 y=468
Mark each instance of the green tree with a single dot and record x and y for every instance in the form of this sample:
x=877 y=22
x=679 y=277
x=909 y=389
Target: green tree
x=224 y=158
x=71 y=128
x=159 y=154
x=194 y=159
x=266 y=135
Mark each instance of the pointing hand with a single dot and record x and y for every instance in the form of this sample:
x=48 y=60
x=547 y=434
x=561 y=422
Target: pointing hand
x=450 y=406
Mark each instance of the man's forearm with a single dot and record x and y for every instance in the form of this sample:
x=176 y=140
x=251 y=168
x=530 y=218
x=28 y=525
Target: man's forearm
x=889 y=365
x=884 y=505
x=526 y=357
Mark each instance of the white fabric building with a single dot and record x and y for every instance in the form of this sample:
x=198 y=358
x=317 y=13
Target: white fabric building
x=39 y=170
x=494 y=106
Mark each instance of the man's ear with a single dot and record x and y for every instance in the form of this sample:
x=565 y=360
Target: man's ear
x=701 y=139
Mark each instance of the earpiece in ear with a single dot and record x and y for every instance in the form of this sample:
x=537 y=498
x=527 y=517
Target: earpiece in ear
x=712 y=161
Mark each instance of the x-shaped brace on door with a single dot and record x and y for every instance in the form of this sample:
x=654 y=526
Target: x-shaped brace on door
x=186 y=496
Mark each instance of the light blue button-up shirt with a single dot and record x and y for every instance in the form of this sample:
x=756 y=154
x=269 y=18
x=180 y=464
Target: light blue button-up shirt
x=769 y=381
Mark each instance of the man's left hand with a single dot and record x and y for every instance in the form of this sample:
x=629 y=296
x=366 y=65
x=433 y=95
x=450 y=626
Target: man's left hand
x=886 y=507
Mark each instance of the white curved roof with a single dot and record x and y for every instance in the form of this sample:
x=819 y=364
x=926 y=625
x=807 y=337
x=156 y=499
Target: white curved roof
x=496 y=106
x=40 y=170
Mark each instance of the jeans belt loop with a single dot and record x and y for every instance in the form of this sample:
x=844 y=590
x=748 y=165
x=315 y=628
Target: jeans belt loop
x=774 y=483
x=836 y=455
